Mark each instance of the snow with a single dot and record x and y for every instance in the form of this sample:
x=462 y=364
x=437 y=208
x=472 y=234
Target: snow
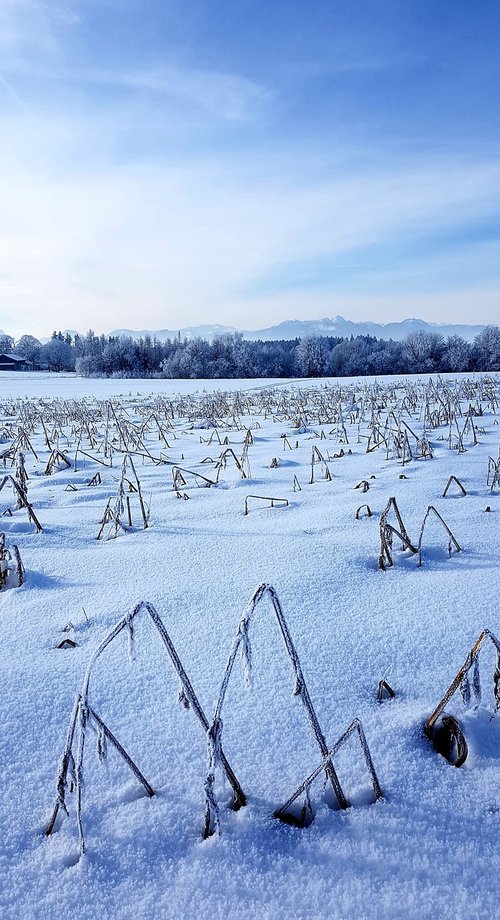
x=428 y=848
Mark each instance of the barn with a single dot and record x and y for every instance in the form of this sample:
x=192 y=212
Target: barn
x=14 y=363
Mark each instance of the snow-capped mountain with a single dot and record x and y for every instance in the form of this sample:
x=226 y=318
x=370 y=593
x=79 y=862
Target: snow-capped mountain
x=291 y=329
x=208 y=332
x=337 y=326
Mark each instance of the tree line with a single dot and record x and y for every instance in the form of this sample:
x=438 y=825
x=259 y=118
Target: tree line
x=230 y=356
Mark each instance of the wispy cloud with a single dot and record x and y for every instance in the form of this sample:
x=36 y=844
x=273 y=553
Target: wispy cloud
x=30 y=28
x=190 y=241
x=223 y=94
x=11 y=95
x=186 y=185
x=32 y=36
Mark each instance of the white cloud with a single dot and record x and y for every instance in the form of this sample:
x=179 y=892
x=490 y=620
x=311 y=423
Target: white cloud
x=95 y=231
x=30 y=27
x=222 y=94
x=86 y=241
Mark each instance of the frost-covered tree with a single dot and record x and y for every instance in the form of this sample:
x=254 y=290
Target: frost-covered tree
x=423 y=352
x=6 y=344
x=310 y=357
x=457 y=354
x=29 y=347
x=197 y=354
x=176 y=365
x=228 y=356
x=58 y=355
x=486 y=349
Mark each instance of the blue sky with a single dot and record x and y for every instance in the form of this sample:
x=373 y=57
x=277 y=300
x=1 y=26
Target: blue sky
x=180 y=162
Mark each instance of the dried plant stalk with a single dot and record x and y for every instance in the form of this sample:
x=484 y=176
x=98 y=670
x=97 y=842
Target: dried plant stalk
x=241 y=643
x=83 y=713
x=452 y=540
x=453 y=479
x=22 y=500
x=264 y=498
x=355 y=727
x=470 y=662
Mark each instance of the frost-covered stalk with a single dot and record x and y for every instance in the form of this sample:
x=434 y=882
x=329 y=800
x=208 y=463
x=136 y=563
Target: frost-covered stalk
x=493 y=474
x=119 y=505
x=115 y=514
x=241 y=642
x=387 y=531
x=21 y=496
x=214 y=748
x=239 y=464
x=57 y=457
x=452 y=540
x=355 y=727
x=317 y=457
x=84 y=716
x=459 y=681
x=21 y=477
x=11 y=566
x=451 y=480
x=4 y=563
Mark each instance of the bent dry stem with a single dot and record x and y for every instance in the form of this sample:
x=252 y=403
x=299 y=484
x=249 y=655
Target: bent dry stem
x=83 y=714
x=242 y=642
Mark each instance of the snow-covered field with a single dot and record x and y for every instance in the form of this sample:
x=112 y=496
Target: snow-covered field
x=429 y=847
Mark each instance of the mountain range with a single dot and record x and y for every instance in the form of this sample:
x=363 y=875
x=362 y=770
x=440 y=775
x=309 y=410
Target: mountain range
x=337 y=327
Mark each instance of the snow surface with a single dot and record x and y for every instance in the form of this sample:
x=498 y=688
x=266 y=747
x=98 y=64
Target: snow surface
x=429 y=848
